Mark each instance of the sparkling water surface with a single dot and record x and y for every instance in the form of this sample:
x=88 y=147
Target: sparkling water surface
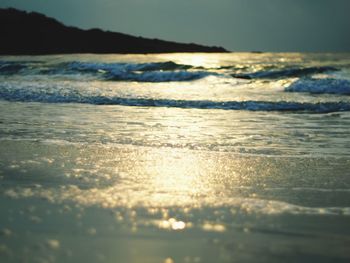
x=238 y=157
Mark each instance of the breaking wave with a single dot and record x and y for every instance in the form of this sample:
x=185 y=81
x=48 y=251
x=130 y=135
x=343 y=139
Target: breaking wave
x=157 y=76
x=319 y=86
x=284 y=73
x=155 y=71
x=141 y=72
x=73 y=96
x=126 y=67
x=11 y=67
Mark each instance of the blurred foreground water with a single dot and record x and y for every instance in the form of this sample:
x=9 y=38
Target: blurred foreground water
x=175 y=158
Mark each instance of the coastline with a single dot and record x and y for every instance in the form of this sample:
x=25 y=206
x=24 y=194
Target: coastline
x=35 y=34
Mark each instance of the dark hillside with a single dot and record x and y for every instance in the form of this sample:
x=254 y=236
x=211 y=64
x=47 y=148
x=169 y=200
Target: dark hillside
x=34 y=33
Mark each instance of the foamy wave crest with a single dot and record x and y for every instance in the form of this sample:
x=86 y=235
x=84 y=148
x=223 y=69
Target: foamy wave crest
x=141 y=72
x=283 y=73
x=74 y=96
x=11 y=67
x=126 y=67
x=319 y=86
x=157 y=76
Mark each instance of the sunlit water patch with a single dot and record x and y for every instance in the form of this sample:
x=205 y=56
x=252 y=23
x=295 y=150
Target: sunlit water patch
x=175 y=158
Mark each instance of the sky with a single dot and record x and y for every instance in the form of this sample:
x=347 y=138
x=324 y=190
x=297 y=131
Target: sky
x=237 y=25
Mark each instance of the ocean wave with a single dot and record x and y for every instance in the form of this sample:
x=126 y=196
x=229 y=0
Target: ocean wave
x=120 y=74
x=283 y=73
x=320 y=86
x=11 y=67
x=157 y=76
x=141 y=72
x=125 y=67
x=153 y=71
x=69 y=96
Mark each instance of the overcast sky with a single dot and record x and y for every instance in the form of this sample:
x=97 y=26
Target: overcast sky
x=238 y=25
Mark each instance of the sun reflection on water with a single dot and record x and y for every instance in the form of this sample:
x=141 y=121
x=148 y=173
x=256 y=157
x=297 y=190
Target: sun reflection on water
x=197 y=59
x=174 y=175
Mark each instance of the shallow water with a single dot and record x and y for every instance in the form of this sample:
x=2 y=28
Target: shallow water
x=175 y=158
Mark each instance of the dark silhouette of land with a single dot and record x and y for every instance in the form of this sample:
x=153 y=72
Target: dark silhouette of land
x=25 y=33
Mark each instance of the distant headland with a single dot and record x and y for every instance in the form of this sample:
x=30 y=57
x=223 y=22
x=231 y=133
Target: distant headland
x=24 y=33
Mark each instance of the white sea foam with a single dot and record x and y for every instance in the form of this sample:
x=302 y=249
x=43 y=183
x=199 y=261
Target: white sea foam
x=319 y=86
x=57 y=94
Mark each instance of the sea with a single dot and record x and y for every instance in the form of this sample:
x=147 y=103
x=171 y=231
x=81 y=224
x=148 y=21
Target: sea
x=170 y=158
